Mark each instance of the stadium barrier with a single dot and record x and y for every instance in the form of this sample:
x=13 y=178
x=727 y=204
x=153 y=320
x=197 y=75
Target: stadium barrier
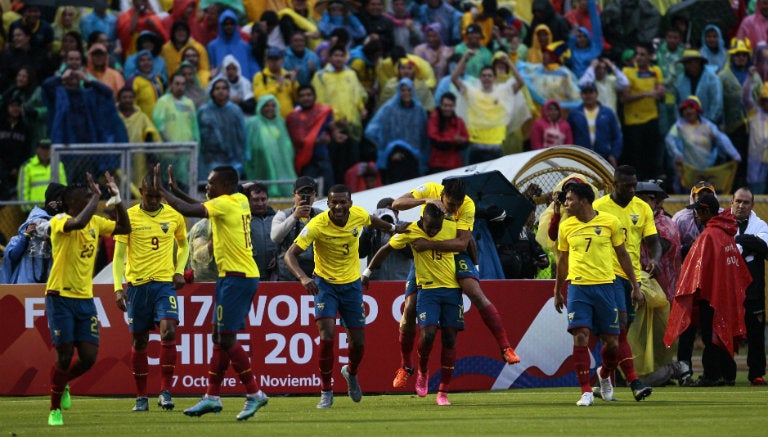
x=281 y=337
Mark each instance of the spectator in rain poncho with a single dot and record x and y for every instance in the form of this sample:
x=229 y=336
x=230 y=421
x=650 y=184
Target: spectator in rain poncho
x=489 y=110
x=147 y=41
x=552 y=80
x=696 y=141
x=269 y=147
x=586 y=45
x=192 y=88
x=222 y=132
x=240 y=88
x=146 y=83
x=407 y=69
x=229 y=43
x=713 y=48
x=402 y=118
x=434 y=50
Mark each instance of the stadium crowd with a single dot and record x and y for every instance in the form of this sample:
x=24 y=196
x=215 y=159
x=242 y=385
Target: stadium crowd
x=371 y=92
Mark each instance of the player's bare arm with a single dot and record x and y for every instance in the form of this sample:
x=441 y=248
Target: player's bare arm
x=123 y=223
x=562 y=273
x=375 y=263
x=458 y=244
x=653 y=242
x=626 y=265
x=292 y=263
x=187 y=209
x=406 y=202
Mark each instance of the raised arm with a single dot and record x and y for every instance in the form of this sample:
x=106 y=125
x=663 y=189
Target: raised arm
x=81 y=220
x=187 y=209
x=459 y=70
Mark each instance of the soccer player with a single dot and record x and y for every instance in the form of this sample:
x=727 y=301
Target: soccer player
x=150 y=298
x=72 y=316
x=336 y=285
x=439 y=299
x=460 y=208
x=585 y=240
x=636 y=219
x=230 y=217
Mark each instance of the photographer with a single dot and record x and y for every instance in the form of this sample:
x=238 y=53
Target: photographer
x=288 y=223
x=549 y=220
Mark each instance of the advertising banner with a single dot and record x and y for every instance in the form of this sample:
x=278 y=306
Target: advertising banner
x=282 y=339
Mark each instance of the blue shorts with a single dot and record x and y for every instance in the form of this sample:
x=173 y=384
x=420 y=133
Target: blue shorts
x=464 y=269
x=150 y=303
x=593 y=307
x=71 y=320
x=344 y=299
x=410 y=281
x=440 y=306
x=234 y=297
x=624 y=298
x=464 y=266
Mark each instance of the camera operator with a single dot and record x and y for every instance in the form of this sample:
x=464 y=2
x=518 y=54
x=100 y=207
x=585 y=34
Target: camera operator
x=288 y=223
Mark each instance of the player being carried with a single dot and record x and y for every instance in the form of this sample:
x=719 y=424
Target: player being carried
x=450 y=197
x=439 y=302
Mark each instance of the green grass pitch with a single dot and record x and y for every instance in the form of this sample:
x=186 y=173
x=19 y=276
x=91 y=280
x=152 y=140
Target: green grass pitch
x=671 y=411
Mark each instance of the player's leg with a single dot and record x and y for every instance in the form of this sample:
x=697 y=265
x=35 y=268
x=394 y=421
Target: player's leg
x=407 y=337
x=61 y=326
x=140 y=312
x=451 y=322
x=467 y=278
x=352 y=312
x=626 y=316
x=427 y=304
x=326 y=308
x=167 y=315
x=580 y=324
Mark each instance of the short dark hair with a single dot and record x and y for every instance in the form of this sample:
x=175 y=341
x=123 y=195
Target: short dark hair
x=176 y=73
x=454 y=188
x=125 y=89
x=673 y=29
x=73 y=192
x=646 y=45
x=228 y=174
x=624 y=170
x=339 y=189
x=306 y=87
x=337 y=48
x=431 y=210
x=448 y=95
x=256 y=187
x=385 y=203
x=582 y=191
x=747 y=189
x=488 y=67
x=149 y=179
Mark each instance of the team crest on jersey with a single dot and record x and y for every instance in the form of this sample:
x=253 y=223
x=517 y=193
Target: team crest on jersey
x=634 y=218
x=355 y=232
x=598 y=230
x=92 y=232
x=164 y=226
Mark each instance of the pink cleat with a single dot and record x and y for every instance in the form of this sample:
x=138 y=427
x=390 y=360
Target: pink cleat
x=421 y=383
x=442 y=399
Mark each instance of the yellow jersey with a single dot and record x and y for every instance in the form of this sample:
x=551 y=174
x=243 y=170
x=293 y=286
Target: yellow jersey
x=464 y=216
x=230 y=218
x=335 y=248
x=74 y=254
x=590 y=245
x=637 y=222
x=434 y=269
x=150 y=245
x=646 y=109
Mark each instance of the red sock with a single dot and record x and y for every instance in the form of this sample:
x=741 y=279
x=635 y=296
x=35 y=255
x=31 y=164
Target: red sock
x=626 y=362
x=581 y=364
x=355 y=357
x=140 y=367
x=59 y=380
x=447 y=363
x=492 y=320
x=407 y=339
x=216 y=370
x=423 y=351
x=610 y=361
x=167 y=364
x=241 y=362
x=326 y=363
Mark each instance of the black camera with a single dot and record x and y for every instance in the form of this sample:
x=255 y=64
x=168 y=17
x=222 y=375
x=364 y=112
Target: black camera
x=305 y=199
x=561 y=197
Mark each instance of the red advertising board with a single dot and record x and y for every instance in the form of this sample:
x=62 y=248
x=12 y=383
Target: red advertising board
x=281 y=337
